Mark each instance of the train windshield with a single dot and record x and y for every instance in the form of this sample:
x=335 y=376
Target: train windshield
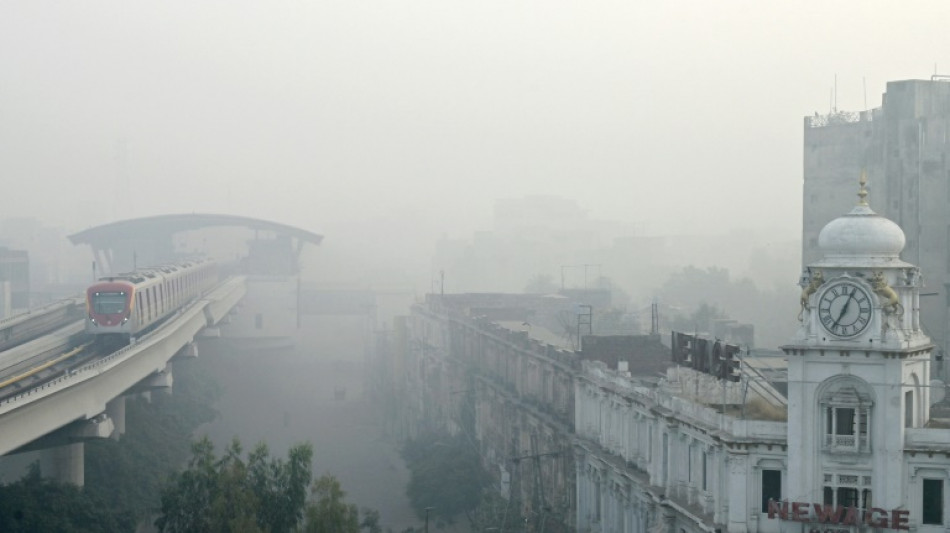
x=108 y=303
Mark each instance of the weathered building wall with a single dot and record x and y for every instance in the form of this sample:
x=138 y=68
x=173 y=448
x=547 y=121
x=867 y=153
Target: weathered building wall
x=650 y=460
x=520 y=391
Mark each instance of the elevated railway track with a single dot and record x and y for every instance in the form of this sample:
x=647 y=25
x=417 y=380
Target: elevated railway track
x=64 y=377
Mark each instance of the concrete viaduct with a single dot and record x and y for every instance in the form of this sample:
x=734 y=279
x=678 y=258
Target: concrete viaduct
x=88 y=402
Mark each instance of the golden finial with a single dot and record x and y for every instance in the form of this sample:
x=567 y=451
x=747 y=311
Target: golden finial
x=863 y=193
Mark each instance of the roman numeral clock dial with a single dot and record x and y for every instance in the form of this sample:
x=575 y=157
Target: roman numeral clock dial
x=844 y=309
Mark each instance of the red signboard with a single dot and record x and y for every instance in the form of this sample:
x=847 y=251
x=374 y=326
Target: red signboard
x=837 y=515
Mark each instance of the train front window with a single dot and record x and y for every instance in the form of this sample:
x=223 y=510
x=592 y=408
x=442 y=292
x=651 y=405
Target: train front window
x=108 y=303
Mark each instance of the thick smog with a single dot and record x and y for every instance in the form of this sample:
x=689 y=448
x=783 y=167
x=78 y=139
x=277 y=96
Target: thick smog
x=514 y=267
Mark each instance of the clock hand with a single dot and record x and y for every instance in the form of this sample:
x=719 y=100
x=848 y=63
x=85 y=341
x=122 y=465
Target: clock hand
x=844 y=308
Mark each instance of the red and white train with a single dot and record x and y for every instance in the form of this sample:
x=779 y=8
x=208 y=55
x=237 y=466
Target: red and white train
x=127 y=304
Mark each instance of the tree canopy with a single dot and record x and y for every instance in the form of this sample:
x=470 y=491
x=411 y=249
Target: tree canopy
x=35 y=504
x=129 y=473
x=540 y=284
x=447 y=475
x=259 y=494
x=697 y=296
x=330 y=513
x=229 y=494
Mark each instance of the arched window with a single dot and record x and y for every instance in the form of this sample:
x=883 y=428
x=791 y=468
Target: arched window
x=845 y=412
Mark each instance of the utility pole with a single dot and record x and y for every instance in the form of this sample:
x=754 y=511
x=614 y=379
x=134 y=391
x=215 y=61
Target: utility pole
x=586 y=266
x=654 y=318
x=584 y=320
x=539 y=500
x=427 y=517
x=538 y=479
x=562 y=274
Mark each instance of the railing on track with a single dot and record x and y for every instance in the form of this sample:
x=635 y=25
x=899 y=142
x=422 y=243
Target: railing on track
x=40 y=310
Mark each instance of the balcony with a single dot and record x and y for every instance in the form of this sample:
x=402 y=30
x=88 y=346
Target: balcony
x=847 y=443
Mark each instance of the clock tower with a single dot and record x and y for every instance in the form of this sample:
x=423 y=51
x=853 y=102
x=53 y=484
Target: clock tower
x=858 y=366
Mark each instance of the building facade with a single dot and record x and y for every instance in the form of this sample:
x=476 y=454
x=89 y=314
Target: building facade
x=856 y=448
x=603 y=439
x=654 y=458
x=473 y=357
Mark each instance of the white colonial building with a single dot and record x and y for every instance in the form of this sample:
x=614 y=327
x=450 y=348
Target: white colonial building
x=855 y=449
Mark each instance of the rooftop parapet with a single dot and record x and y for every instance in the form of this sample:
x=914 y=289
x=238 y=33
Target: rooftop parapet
x=837 y=118
x=753 y=421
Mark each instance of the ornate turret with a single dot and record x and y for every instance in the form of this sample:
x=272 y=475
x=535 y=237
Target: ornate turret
x=862 y=236
x=861 y=292
x=858 y=366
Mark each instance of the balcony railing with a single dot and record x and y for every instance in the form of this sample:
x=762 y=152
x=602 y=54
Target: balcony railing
x=846 y=443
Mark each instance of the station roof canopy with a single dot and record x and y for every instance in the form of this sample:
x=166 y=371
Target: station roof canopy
x=166 y=225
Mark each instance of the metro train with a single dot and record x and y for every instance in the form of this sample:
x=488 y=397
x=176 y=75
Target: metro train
x=125 y=305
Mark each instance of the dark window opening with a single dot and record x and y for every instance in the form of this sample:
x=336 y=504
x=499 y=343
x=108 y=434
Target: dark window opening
x=689 y=464
x=704 y=472
x=933 y=501
x=771 y=487
x=845 y=423
x=847 y=497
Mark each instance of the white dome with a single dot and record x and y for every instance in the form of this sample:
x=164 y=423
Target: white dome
x=862 y=232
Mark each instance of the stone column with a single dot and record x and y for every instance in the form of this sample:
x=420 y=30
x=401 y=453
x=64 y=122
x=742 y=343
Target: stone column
x=580 y=466
x=669 y=519
x=682 y=467
x=715 y=489
x=709 y=497
x=64 y=464
x=737 y=484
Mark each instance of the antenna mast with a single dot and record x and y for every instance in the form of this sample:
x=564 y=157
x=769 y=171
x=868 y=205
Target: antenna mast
x=654 y=318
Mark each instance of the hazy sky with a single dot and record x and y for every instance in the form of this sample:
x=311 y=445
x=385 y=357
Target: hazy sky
x=334 y=114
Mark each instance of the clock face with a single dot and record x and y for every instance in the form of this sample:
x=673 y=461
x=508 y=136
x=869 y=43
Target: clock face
x=844 y=309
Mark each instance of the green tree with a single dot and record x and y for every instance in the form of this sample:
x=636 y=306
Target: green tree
x=281 y=486
x=699 y=320
x=329 y=512
x=619 y=298
x=495 y=512
x=446 y=474
x=370 y=521
x=691 y=286
x=703 y=294
x=230 y=495
x=130 y=473
x=35 y=504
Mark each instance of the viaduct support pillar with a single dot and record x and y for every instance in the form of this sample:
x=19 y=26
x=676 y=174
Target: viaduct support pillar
x=62 y=453
x=115 y=410
x=65 y=463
